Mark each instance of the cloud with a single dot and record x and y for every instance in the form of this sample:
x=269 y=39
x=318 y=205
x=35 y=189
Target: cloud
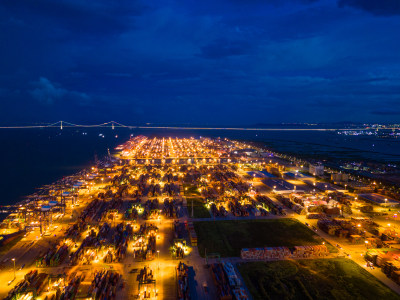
x=301 y=61
x=3 y=91
x=375 y=7
x=275 y=2
x=49 y=93
x=222 y=48
x=386 y=112
x=46 y=92
x=119 y=75
x=95 y=17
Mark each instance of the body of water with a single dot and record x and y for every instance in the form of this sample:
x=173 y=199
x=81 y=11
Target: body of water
x=31 y=158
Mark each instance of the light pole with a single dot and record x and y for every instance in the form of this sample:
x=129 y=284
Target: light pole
x=158 y=259
x=13 y=259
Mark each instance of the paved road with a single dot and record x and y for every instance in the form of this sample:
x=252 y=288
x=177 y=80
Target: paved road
x=165 y=275
x=356 y=252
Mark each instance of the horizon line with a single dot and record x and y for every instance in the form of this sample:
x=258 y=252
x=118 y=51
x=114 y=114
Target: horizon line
x=113 y=124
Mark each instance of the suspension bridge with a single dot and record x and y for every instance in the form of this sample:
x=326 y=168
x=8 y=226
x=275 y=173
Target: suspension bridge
x=113 y=125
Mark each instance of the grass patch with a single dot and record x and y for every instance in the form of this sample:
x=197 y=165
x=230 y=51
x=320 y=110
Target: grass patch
x=190 y=190
x=330 y=247
x=5 y=248
x=229 y=237
x=199 y=208
x=312 y=279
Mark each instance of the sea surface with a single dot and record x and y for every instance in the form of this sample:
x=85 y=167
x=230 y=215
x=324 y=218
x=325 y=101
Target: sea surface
x=30 y=158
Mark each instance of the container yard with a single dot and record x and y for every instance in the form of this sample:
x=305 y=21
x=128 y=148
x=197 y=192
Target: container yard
x=88 y=228
x=104 y=285
x=227 y=282
x=139 y=221
x=273 y=253
x=182 y=275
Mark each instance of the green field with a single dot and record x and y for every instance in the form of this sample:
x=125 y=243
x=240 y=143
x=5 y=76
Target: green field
x=5 y=248
x=228 y=237
x=312 y=279
x=190 y=190
x=199 y=208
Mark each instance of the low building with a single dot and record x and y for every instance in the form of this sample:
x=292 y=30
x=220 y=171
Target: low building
x=379 y=199
x=280 y=186
x=340 y=177
x=316 y=170
x=257 y=175
x=298 y=175
x=246 y=152
x=266 y=154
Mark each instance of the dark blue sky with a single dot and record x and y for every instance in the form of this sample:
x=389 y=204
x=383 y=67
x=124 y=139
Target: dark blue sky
x=200 y=62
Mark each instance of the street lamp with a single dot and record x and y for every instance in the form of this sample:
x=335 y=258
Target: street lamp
x=158 y=259
x=13 y=259
x=192 y=207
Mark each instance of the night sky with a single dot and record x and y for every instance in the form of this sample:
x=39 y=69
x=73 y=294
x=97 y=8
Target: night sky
x=219 y=62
